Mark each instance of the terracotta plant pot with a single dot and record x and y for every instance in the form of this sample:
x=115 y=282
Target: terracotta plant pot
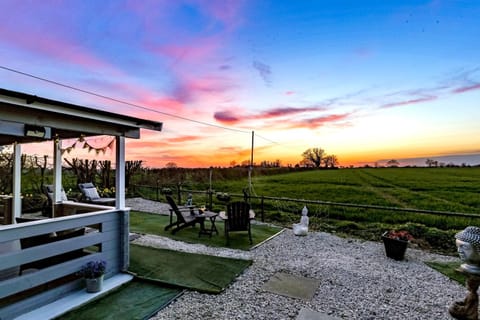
x=394 y=248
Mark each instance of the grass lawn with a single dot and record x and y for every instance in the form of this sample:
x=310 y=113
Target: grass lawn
x=147 y=223
x=199 y=272
x=161 y=276
x=448 y=269
x=126 y=302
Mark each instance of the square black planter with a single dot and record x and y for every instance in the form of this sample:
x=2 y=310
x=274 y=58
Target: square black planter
x=394 y=248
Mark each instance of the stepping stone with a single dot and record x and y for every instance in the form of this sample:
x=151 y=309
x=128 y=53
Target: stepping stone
x=307 y=314
x=292 y=286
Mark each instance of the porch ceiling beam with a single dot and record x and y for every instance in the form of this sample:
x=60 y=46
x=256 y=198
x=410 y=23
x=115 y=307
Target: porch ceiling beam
x=32 y=102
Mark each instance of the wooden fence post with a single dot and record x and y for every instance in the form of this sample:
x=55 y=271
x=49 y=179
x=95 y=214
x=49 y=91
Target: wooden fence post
x=179 y=192
x=210 y=199
x=262 y=210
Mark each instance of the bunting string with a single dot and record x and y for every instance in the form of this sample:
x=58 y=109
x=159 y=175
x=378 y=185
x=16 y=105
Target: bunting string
x=85 y=144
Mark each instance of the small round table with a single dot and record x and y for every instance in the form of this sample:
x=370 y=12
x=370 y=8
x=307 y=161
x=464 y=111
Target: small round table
x=201 y=219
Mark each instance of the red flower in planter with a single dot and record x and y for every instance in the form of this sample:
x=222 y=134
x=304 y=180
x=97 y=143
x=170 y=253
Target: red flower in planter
x=399 y=235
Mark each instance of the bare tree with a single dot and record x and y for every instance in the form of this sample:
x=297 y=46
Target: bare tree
x=393 y=163
x=6 y=166
x=171 y=165
x=130 y=168
x=85 y=170
x=330 y=161
x=314 y=156
x=105 y=167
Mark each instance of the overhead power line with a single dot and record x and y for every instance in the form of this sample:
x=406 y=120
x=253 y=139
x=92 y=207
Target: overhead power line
x=128 y=103
x=119 y=101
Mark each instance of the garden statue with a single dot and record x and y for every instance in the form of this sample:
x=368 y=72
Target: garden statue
x=468 y=247
x=301 y=229
x=189 y=200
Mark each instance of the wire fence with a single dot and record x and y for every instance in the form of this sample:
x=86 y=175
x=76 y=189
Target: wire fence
x=275 y=206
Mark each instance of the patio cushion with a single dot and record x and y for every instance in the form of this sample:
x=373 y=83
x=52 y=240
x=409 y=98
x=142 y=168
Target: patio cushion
x=63 y=195
x=91 y=193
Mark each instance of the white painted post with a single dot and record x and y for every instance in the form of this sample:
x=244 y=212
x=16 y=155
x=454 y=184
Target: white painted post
x=17 y=181
x=120 y=173
x=57 y=173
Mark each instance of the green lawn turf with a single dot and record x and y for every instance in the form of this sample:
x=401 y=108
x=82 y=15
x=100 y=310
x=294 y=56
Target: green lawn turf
x=449 y=269
x=199 y=272
x=126 y=303
x=148 y=223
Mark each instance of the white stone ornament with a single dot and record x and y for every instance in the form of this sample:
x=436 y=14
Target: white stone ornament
x=301 y=229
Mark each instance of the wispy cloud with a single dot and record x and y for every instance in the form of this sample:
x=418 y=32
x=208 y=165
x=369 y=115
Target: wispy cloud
x=287 y=111
x=228 y=12
x=264 y=71
x=183 y=139
x=456 y=83
x=314 y=123
x=464 y=80
x=231 y=117
x=467 y=88
x=407 y=102
x=188 y=88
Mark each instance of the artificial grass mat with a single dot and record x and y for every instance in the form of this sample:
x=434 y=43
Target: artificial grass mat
x=149 y=223
x=449 y=269
x=137 y=299
x=199 y=272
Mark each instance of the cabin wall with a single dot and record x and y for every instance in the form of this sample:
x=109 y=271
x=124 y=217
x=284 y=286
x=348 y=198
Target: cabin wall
x=106 y=238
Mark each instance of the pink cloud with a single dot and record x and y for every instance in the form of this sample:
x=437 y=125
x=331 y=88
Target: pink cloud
x=226 y=117
x=165 y=104
x=52 y=46
x=188 y=88
x=183 y=139
x=407 y=102
x=289 y=93
x=321 y=121
x=196 y=49
x=280 y=112
x=230 y=116
x=467 y=88
x=228 y=12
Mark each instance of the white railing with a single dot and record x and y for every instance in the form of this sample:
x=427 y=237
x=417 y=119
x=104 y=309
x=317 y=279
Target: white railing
x=106 y=238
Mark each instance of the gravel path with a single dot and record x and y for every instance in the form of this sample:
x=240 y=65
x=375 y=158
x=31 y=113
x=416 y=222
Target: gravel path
x=357 y=281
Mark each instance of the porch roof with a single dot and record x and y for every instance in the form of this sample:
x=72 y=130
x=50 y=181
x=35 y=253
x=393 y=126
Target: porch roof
x=28 y=118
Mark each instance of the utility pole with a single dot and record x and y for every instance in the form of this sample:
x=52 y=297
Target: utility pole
x=251 y=166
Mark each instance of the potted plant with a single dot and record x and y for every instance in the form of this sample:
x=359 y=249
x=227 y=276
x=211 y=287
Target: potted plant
x=93 y=273
x=395 y=243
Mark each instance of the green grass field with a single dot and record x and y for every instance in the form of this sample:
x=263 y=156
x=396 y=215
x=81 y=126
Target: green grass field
x=445 y=189
x=436 y=189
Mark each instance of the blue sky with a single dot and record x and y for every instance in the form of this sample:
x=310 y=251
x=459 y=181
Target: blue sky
x=364 y=80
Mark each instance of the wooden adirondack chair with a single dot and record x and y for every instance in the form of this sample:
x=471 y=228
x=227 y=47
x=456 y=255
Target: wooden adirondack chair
x=237 y=219
x=184 y=216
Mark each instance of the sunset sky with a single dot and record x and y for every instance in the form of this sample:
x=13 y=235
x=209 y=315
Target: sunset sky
x=364 y=80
